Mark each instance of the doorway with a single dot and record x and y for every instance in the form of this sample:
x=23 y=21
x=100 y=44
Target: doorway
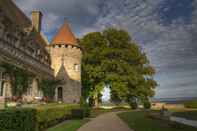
x=59 y=93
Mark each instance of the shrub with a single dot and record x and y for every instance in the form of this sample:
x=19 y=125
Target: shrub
x=39 y=118
x=87 y=111
x=78 y=113
x=18 y=120
x=133 y=105
x=191 y=104
x=147 y=105
x=51 y=115
x=86 y=108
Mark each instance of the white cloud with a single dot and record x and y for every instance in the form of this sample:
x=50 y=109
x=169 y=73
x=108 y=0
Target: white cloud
x=171 y=48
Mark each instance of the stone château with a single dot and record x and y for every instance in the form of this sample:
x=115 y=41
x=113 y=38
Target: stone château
x=23 y=45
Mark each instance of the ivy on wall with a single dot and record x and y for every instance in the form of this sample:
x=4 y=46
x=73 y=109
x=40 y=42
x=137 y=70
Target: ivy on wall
x=19 y=78
x=48 y=87
x=20 y=81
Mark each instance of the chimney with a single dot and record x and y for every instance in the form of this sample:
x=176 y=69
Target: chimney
x=37 y=20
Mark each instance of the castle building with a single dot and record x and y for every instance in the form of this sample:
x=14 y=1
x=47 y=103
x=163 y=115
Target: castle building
x=66 y=61
x=23 y=45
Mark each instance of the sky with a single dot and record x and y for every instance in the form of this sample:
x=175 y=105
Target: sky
x=165 y=29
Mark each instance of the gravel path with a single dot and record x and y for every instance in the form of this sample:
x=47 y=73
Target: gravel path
x=105 y=122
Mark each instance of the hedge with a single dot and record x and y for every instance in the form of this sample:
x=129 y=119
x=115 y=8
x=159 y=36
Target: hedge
x=51 y=115
x=39 y=118
x=191 y=104
x=18 y=120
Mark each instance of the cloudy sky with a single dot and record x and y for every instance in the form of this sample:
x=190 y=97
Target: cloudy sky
x=165 y=29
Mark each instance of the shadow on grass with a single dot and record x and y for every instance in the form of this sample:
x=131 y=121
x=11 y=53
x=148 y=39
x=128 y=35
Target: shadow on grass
x=139 y=121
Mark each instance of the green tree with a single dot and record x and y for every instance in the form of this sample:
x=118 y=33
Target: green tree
x=92 y=73
x=111 y=58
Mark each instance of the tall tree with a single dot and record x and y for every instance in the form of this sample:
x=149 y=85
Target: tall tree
x=112 y=58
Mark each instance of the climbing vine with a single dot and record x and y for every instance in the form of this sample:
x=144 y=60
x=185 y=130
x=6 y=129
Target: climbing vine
x=19 y=78
x=48 y=87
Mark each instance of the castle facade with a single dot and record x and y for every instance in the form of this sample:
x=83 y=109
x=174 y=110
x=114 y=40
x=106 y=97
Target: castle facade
x=23 y=46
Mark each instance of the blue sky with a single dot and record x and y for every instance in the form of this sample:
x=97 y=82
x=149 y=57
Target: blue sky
x=165 y=29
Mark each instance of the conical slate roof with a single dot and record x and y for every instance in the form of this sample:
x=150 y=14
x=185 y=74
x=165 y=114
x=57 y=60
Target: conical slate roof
x=65 y=36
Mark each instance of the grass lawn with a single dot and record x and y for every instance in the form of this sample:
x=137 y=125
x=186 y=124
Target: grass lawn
x=71 y=125
x=192 y=115
x=138 y=121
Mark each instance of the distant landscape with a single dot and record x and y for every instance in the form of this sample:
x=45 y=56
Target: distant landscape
x=174 y=100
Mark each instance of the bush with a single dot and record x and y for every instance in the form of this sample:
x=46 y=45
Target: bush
x=87 y=111
x=147 y=105
x=50 y=115
x=78 y=113
x=86 y=108
x=39 y=118
x=191 y=104
x=133 y=105
x=18 y=120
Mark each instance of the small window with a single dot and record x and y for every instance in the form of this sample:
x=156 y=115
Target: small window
x=76 y=67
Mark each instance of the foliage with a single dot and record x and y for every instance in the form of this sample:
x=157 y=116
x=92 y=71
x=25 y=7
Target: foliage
x=147 y=104
x=19 y=79
x=48 y=87
x=86 y=108
x=191 y=104
x=78 y=113
x=41 y=117
x=51 y=115
x=18 y=120
x=138 y=121
x=132 y=102
x=92 y=73
x=113 y=60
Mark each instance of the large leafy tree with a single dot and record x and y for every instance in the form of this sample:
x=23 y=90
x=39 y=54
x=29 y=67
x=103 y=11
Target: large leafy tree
x=112 y=59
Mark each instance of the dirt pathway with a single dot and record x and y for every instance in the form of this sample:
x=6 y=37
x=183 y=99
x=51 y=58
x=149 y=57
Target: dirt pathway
x=105 y=122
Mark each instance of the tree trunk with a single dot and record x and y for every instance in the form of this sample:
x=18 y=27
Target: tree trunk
x=96 y=103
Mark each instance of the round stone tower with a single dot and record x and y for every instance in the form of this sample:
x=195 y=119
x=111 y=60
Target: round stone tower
x=66 y=62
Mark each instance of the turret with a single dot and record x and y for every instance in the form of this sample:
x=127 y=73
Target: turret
x=66 y=57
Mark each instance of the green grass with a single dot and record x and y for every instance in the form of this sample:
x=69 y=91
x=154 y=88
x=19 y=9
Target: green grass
x=139 y=121
x=191 y=115
x=71 y=125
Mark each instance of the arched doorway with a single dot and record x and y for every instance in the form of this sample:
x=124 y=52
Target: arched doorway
x=59 y=94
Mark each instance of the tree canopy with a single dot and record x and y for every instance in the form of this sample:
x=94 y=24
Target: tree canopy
x=111 y=58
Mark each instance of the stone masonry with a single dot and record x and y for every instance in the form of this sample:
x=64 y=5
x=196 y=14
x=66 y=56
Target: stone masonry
x=23 y=45
x=66 y=62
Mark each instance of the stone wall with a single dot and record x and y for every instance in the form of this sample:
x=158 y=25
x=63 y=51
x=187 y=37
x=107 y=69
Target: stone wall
x=70 y=58
x=24 y=48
